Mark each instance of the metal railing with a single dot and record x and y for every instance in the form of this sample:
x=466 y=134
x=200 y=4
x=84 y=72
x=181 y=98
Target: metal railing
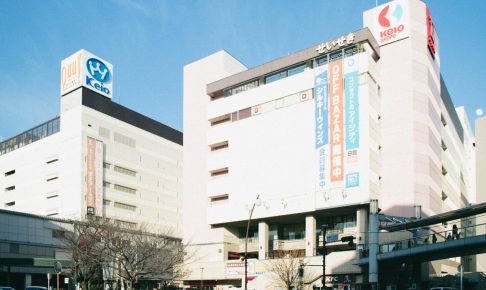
x=433 y=238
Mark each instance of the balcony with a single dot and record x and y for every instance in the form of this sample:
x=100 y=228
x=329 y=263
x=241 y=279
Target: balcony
x=252 y=245
x=288 y=245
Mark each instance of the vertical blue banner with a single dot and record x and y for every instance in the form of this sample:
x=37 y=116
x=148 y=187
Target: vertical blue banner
x=321 y=96
x=351 y=108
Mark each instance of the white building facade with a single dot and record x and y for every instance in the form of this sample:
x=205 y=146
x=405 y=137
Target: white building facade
x=316 y=135
x=97 y=157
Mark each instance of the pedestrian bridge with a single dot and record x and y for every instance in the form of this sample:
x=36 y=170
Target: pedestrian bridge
x=471 y=241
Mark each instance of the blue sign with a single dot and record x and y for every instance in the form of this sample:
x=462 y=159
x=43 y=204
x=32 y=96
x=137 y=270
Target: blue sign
x=98 y=70
x=321 y=91
x=351 y=104
x=321 y=96
x=352 y=179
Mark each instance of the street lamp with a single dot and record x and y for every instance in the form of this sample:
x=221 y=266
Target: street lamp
x=324 y=253
x=257 y=202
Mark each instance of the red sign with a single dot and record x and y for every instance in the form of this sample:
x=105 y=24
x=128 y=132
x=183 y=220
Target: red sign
x=390 y=19
x=90 y=180
x=430 y=33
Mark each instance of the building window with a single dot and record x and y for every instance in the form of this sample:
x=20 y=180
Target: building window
x=296 y=70
x=125 y=189
x=58 y=234
x=51 y=178
x=444 y=196
x=443 y=145
x=335 y=56
x=285 y=73
x=240 y=88
x=52 y=160
x=106 y=202
x=11 y=172
x=14 y=249
x=220 y=171
x=125 y=170
x=125 y=206
x=220 y=120
x=321 y=61
x=103 y=132
x=106 y=184
x=443 y=120
x=106 y=165
x=32 y=135
x=10 y=188
x=11 y=203
x=219 y=146
x=122 y=139
x=444 y=170
x=125 y=224
x=52 y=194
x=350 y=51
x=219 y=198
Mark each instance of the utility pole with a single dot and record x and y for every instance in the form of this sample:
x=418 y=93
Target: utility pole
x=324 y=253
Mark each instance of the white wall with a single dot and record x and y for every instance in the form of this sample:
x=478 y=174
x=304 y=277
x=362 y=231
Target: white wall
x=156 y=161
x=207 y=243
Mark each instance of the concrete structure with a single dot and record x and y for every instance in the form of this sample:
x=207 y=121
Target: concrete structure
x=29 y=247
x=318 y=134
x=97 y=157
x=480 y=126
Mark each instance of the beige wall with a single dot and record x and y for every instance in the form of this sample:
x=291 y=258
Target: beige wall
x=480 y=180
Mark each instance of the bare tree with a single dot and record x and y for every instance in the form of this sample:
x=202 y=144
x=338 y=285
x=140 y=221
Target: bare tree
x=87 y=249
x=142 y=254
x=284 y=268
x=128 y=253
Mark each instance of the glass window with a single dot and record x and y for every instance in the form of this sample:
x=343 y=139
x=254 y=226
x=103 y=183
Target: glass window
x=350 y=51
x=241 y=88
x=321 y=61
x=336 y=56
x=296 y=70
x=275 y=77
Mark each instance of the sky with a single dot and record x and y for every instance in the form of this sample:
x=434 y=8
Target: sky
x=149 y=42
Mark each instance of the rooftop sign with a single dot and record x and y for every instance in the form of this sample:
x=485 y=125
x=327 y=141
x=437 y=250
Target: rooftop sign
x=390 y=22
x=337 y=43
x=85 y=69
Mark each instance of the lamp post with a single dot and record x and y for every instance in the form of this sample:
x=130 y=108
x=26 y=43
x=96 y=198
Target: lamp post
x=324 y=253
x=246 y=240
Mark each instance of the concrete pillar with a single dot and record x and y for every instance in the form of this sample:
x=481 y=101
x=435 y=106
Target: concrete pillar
x=28 y=280
x=373 y=251
x=262 y=240
x=361 y=226
x=310 y=236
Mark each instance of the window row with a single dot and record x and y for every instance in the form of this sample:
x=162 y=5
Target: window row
x=50 y=177
x=120 y=169
x=293 y=70
x=32 y=135
x=241 y=88
x=264 y=107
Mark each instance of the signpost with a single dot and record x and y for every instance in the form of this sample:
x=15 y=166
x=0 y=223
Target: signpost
x=58 y=270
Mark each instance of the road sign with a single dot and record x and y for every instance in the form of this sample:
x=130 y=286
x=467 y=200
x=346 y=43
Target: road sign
x=57 y=267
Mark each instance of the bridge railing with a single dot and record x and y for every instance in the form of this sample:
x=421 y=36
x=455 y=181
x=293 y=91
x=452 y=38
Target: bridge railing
x=440 y=237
